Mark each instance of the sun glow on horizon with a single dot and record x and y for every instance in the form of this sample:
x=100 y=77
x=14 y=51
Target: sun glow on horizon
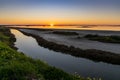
x=51 y=24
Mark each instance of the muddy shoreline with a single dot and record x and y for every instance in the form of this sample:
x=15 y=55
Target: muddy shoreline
x=92 y=54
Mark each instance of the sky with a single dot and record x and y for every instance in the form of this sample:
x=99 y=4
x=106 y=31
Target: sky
x=60 y=12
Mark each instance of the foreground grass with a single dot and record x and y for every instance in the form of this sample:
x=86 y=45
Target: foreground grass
x=107 y=39
x=17 y=66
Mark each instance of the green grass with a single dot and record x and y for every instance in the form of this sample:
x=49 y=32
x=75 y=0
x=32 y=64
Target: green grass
x=4 y=38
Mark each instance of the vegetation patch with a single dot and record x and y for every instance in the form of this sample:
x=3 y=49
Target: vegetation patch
x=107 y=39
x=7 y=37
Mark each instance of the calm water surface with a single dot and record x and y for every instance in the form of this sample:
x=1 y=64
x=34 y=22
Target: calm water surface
x=68 y=63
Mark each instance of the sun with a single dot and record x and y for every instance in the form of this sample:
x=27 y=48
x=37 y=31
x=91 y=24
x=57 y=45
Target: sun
x=51 y=24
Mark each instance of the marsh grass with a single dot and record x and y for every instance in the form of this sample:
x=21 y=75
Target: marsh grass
x=107 y=39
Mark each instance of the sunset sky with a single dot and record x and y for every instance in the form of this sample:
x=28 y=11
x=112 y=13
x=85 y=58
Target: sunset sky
x=60 y=12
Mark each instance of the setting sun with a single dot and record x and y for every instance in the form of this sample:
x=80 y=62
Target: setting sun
x=51 y=25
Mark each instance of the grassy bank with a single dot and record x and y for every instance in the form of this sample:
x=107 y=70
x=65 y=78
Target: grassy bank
x=6 y=37
x=96 y=55
x=17 y=66
x=107 y=39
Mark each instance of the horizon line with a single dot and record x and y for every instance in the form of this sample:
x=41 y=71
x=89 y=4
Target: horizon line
x=60 y=25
